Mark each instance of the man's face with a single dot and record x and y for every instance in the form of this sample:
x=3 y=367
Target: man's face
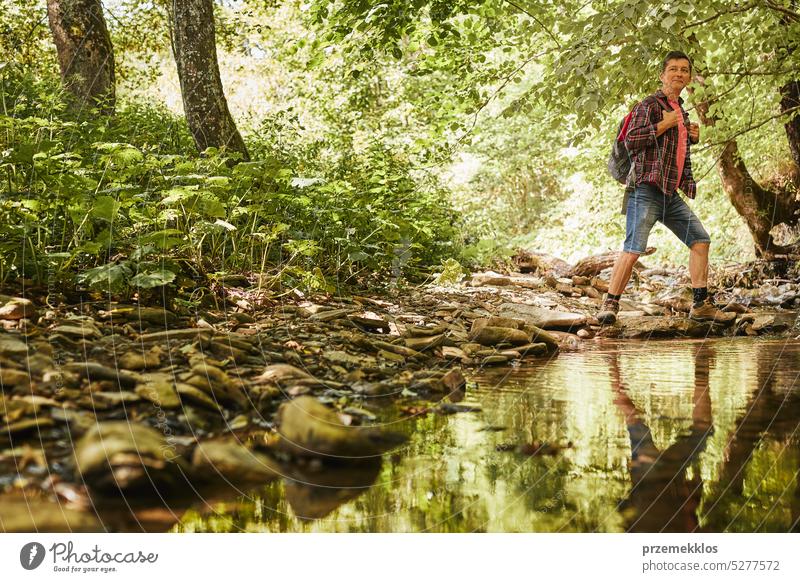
x=676 y=75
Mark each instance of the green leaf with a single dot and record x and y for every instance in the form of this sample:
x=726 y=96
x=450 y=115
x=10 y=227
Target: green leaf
x=105 y=208
x=150 y=279
x=108 y=277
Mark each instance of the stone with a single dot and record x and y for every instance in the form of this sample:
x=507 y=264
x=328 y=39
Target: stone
x=655 y=327
x=370 y=324
x=286 y=375
x=482 y=322
x=10 y=377
x=490 y=278
x=78 y=331
x=533 y=349
x=17 y=308
x=493 y=360
x=421 y=344
x=230 y=461
x=542 y=318
x=490 y=336
x=11 y=345
x=308 y=428
x=137 y=360
x=421 y=331
x=124 y=455
x=94 y=371
x=159 y=389
x=454 y=380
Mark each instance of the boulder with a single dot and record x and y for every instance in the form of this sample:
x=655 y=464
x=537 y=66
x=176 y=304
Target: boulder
x=541 y=317
x=308 y=428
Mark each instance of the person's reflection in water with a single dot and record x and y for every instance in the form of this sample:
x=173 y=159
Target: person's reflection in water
x=663 y=497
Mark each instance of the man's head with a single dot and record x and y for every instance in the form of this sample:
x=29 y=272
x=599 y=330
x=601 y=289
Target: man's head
x=676 y=72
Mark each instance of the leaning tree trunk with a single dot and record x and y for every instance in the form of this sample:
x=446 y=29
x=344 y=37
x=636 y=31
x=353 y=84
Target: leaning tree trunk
x=760 y=208
x=204 y=103
x=85 y=54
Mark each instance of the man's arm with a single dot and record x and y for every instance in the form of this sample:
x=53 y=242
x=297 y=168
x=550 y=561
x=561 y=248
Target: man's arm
x=641 y=132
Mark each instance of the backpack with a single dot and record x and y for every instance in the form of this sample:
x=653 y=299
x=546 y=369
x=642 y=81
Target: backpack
x=619 y=161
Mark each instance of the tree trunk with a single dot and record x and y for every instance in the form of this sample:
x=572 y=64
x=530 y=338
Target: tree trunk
x=195 y=49
x=85 y=54
x=761 y=209
x=790 y=99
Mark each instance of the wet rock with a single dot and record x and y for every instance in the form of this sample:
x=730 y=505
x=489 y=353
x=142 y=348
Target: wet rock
x=452 y=353
x=542 y=318
x=189 y=334
x=422 y=344
x=136 y=360
x=535 y=349
x=26 y=426
x=309 y=428
x=471 y=348
x=454 y=380
x=398 y=349
x=481 y=322
x=494 y=360
x=490 y=336
x=216 y=383
x=17 y=308
x=370 y=324
x=94 y=371
x=151 y=315
x=11 y=345
x=422 y=331
x=10 y=378
x=286 y=375
x=127 y=456
x=647 y=327
x=22 y=516
x=330 y=315
x=193 y=395
x=231 y=461
x=680 y=300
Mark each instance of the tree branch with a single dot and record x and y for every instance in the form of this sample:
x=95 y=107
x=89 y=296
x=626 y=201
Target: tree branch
x=536 y=20
x=744 y=8
x=750 y=128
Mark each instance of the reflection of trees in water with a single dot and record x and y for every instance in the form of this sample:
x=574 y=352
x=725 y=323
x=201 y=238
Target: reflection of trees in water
x=762 y=450
x=667 y=491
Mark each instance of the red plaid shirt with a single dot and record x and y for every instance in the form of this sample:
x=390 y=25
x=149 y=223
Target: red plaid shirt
x=655 y=158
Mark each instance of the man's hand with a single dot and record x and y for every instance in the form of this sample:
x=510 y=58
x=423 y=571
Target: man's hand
x=671 y=118
x=694 y=132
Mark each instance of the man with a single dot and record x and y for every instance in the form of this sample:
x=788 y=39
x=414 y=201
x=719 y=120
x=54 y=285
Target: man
x=658 y=137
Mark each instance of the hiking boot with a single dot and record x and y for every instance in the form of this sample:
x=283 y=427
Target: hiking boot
x=707 y=311
x=608 y=311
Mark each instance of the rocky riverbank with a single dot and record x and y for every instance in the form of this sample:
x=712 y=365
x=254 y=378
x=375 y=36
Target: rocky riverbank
x=105 y=397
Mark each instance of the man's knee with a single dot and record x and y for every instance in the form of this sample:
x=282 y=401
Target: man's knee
x=701 y=246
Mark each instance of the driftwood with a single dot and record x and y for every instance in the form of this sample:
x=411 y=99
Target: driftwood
x=529 y=262
x=591 y=266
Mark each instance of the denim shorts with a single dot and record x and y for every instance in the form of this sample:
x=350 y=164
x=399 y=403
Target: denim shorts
x=646 y=205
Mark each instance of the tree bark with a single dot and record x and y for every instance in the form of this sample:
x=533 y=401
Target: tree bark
x=760 y=208
x=195 y=49
x=790 y=100
x=85 y=53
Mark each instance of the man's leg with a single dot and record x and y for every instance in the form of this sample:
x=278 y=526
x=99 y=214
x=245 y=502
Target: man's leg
x=621 y=273
x=698 y=264
x=644 y=208
x=680 y=219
